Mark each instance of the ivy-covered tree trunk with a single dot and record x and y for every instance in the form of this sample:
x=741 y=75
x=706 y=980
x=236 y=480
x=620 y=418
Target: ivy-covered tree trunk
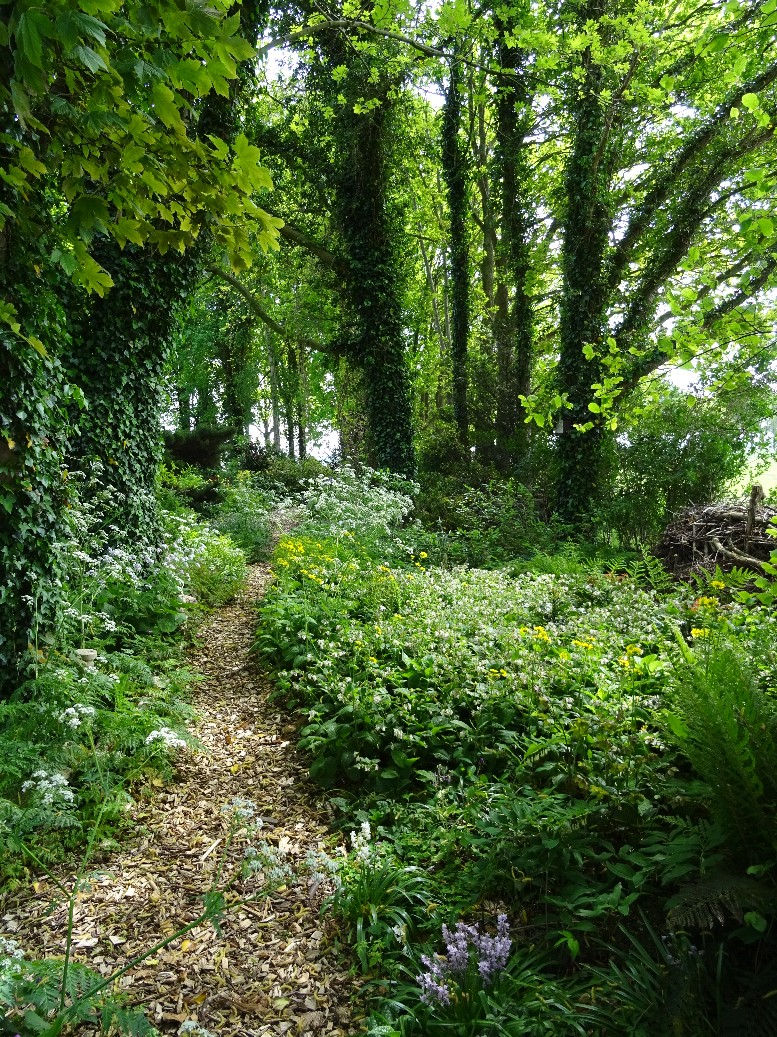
x=584 y=292
x=513 y=317
x=454 y=166
x=239 y=380
x=370 y=231
x=350 y=412
x=117 y=356
x=34 y=433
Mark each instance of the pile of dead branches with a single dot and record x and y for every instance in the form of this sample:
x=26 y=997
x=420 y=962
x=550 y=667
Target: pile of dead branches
x=728 y=534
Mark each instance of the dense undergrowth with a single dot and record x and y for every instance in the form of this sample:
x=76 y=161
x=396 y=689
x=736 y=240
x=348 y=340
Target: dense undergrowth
x=98 y=723
x=560 y=772
x=558 y=769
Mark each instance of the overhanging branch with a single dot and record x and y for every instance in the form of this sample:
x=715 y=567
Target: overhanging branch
x=328 y=258
x=259 y=311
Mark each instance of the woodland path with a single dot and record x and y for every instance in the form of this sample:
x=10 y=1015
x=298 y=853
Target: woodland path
x=269 y=971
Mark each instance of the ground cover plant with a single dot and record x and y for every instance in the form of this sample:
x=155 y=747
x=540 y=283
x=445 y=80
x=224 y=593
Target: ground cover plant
x=100 y=721
x=103 y=709
x=574 y=761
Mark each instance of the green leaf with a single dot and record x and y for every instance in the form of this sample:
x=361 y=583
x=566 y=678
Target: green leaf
x=30 y=30
x=594 y=408
x=677 y=726
x=751 y=102
x=755 y=921
x=766 y=226
x=21 y=103
x=90 y=58
x=219 y=146
x=89 y=213
x=73 y=26
x=166 y=108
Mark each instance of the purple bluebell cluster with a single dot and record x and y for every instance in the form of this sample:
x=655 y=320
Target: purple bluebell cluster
x=491 y=952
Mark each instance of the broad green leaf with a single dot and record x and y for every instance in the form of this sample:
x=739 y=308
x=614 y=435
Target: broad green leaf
x=130 y=230
x=219 y=146
x=166 y=108
x=73 y=26
x=31 y=28
x=89 y=58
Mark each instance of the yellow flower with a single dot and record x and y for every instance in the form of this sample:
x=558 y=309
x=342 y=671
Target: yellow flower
x=700 y=632
x=633 y=650
x=719 y=585
x=423 y=554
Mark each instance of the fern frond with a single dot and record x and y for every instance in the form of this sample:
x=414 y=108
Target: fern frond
x=650 y=571
x=715 y=901
x=127 y=1021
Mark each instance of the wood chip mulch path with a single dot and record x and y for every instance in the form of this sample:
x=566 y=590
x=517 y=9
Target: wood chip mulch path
x=270 y=970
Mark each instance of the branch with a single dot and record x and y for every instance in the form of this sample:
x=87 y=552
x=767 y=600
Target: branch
x=736 y=556
x=258 y=310
x=675 y=166
x=743 y=294
x=687 y=222
x=617 y=96
x=357 y=23
x=328 y=258
x=349 y=23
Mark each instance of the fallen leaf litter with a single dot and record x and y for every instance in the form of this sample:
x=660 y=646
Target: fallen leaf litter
x=270 y=969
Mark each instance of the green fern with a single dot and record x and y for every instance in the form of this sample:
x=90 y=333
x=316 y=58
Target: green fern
x=647 y=571
x=129 y=1021
x=729 y=734
x=718 y=900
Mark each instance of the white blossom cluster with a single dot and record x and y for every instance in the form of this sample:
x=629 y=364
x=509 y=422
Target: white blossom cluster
x=169 y=738
x=75 y=715
x=191 y=1026
x=361 y=842
x=10 y=949
x=269 y=860
x=242 y=810
x=370 y=502
x=49 y=787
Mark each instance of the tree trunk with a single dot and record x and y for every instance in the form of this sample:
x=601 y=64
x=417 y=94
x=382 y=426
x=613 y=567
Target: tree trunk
x=275 y=404
x=583 y=291
x=513 y=318
x=455 y=173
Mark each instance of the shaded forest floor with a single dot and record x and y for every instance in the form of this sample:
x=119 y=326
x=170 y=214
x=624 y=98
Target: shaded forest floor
x=269 y=970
